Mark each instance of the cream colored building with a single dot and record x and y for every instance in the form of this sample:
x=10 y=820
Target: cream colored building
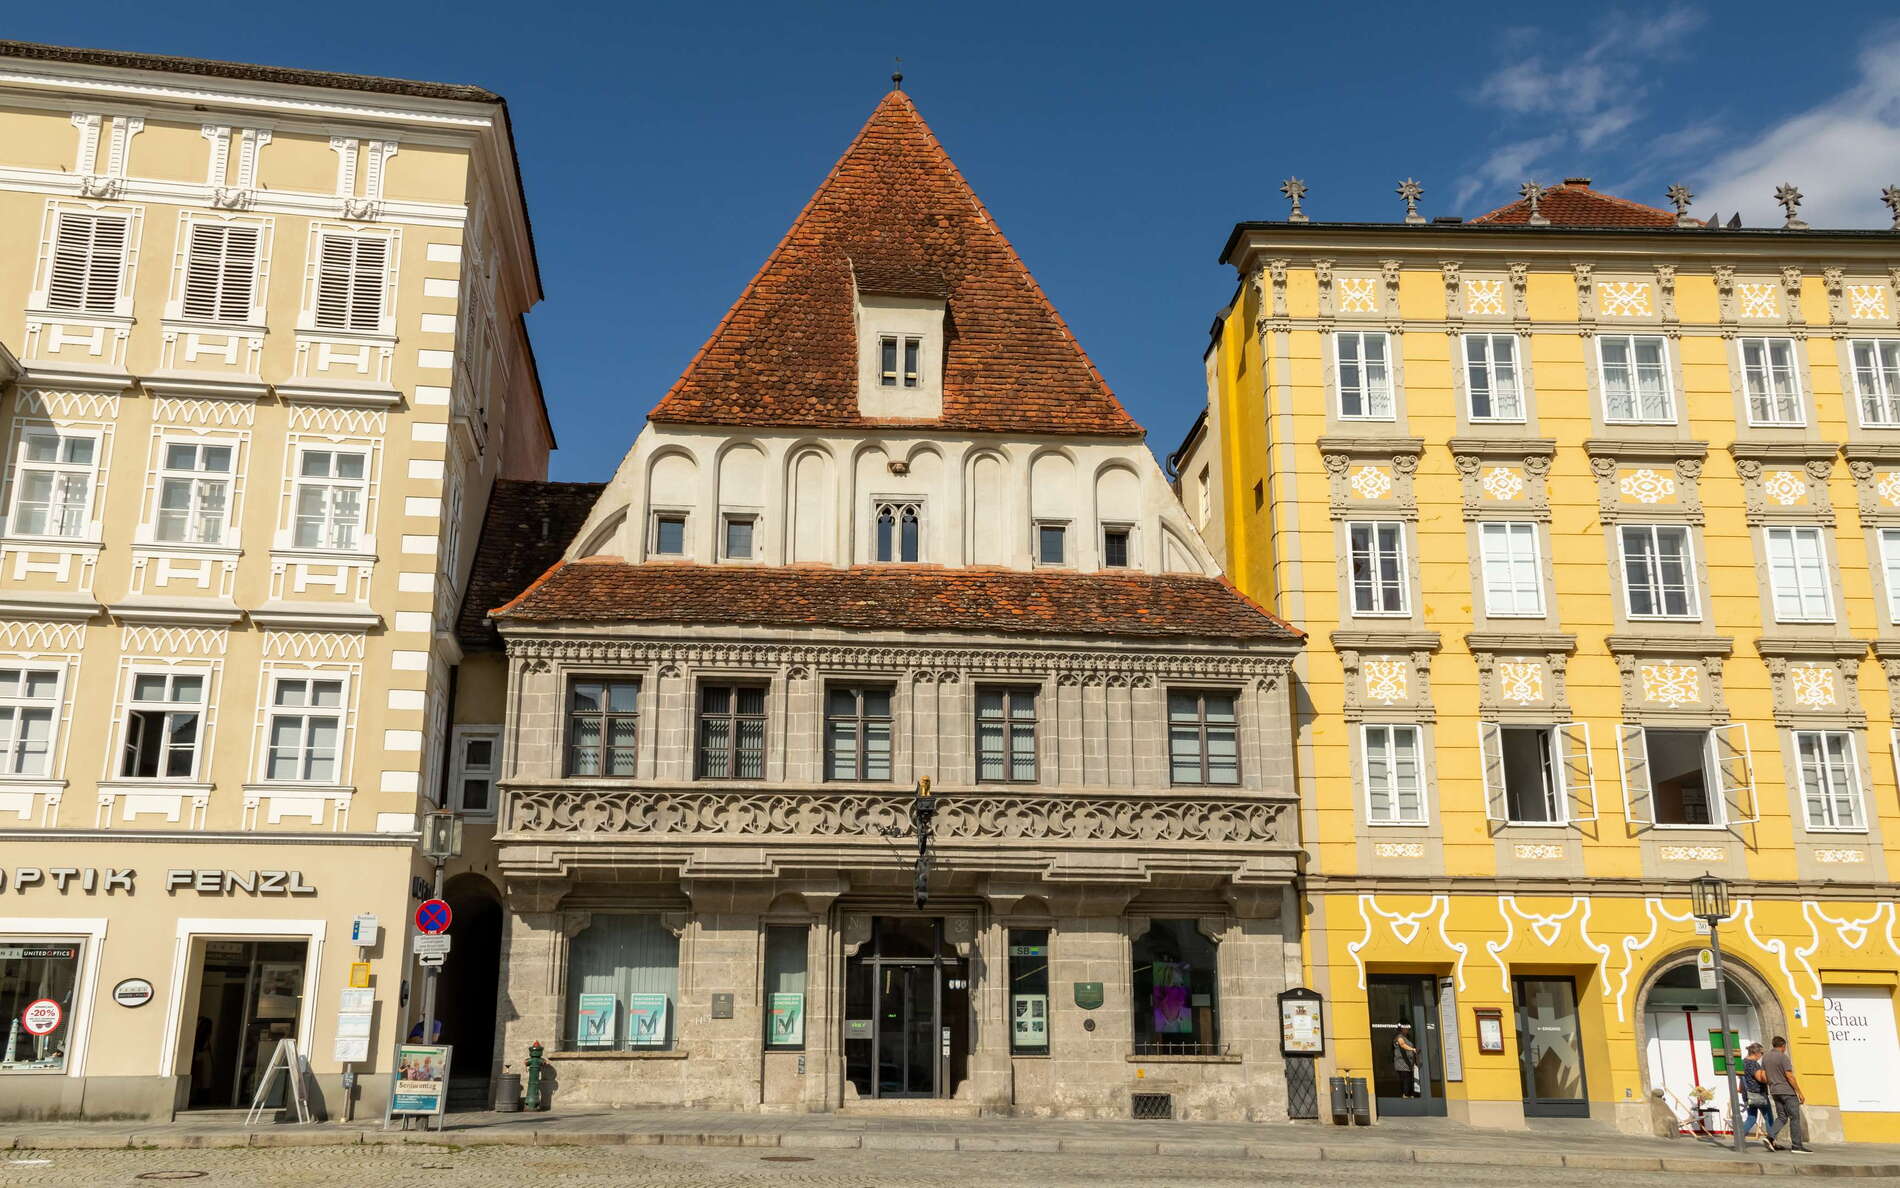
x=262 y=356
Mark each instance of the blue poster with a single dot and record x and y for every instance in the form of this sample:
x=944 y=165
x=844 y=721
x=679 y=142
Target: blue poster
x=646 y=1020
x=594 y=1021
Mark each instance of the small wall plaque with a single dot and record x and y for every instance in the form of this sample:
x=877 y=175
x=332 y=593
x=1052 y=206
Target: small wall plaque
x=1490 y=1029
x=722 y=1006
x=857 y=1028
x=1088 y=995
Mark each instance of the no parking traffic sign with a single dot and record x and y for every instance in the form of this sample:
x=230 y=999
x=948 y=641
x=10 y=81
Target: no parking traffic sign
x=432 y=916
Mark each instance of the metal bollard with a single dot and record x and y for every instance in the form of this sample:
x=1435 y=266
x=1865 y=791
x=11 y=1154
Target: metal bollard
x=532 y=1098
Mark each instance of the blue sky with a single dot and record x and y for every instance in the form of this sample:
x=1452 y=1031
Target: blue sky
x=666 y=148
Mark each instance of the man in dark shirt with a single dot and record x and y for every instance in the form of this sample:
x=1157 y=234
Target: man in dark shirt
x=1785 y=1089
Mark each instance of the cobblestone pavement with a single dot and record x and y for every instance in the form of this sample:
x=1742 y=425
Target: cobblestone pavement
x=746 y=1167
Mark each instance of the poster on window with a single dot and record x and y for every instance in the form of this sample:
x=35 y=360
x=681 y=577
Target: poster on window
x=1862 y=1040
x=594 y=1021
x=646 y=1020
x=422 y=1079
x=1169 y=998
x=1029 y=1015
x=788 y=1019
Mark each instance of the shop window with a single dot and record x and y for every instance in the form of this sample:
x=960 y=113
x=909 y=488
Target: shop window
x=1029 y=991
x=731 y=732
x=1006 y=736
x=603 y=725
x=623 y=976
x=33 y=974
x=785 y=987
x=858 y=732
x=1175 y=1001
x=1203 y=738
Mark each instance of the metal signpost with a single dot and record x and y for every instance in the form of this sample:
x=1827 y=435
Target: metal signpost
x=1709 y=895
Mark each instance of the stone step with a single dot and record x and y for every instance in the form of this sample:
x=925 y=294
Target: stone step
x=912 y=1107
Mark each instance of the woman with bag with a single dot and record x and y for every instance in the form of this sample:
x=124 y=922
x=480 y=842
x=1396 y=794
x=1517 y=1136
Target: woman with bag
x=1405 y=1060
x=1755 y=1093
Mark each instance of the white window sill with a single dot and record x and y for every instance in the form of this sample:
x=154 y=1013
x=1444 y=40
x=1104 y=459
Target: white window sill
x=370 y=336
x=39 y=312
x=289 y=553
x=1496 y=420
x=1664 y=424
x=1838 y=830
x=1398 y=824
x=1777 y=425
x=290 y=788
x=147 y=785
x=15 y=540
x=178 y=321
x=150 y=544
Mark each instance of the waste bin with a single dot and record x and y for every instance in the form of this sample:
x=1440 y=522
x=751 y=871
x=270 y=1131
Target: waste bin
x=1350 y=1104
x=508 y=1093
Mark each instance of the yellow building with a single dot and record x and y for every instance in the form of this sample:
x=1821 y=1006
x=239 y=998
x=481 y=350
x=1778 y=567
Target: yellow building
x=261 y=359
x=1593 y=515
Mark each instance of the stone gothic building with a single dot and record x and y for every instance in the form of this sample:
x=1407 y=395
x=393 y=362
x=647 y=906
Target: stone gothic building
x=892 y=531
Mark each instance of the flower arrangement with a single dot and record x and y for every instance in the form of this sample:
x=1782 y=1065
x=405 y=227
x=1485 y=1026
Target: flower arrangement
x=1702 y=1095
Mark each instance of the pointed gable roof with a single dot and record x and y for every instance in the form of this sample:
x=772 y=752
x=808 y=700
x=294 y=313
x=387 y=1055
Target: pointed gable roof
x=894 y=217
x=1575 y=204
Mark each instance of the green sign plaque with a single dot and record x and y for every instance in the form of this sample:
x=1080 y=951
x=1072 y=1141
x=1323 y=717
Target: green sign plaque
x=1088 y=995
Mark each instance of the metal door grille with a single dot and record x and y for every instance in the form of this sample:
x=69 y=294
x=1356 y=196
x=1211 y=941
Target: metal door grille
x=1153 y=1105
x=1302 y=1088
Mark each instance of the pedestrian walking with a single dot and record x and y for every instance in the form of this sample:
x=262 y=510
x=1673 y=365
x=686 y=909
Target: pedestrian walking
x=1755 y=1093
x=1785 y=1089
x=1405 y=1060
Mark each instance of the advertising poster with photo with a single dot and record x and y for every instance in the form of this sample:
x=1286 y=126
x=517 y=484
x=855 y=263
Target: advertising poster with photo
x=422 y=1079
x=646 y=1020
x=788 y=1019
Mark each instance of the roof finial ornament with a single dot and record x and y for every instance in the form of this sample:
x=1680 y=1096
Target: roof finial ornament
x=1534 y=194
x=897 y=75
x=1411 y=191
x=1680 y=197
x=1790 y=199
x=1891 y=196
x=1294 y=189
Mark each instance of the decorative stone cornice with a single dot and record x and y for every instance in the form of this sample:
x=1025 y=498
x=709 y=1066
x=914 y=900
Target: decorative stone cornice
x=1357 y=445
x=1385 y=641
x=1521 y=641
x=1503 y=447
x=1634 y=448
x=1809 y=648
x=1796 y=453
x=1672 y=645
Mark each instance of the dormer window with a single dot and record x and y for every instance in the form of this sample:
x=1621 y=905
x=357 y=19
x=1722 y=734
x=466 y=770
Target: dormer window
x=669 y=534
x=899 y=360
x=899 y=530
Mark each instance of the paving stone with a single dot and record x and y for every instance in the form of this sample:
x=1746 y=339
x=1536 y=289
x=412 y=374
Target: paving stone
x=999 y=1143
x=1366 y=1154
x=820 y=1139
x=1103 y=1146
x=1614 y=1162
x=1487 y=1158
x=908 y=1142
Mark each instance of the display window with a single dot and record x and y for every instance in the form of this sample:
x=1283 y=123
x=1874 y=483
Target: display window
x=39 y=979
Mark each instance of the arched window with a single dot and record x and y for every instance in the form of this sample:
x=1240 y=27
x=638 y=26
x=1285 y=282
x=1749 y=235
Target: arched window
x=899 y=530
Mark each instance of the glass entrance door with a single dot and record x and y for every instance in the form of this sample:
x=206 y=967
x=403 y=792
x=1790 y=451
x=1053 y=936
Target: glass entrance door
x=907 y=1027
x=250 y=996
x=1405 y=1007
x=1550 y=1048
x=907 y=1007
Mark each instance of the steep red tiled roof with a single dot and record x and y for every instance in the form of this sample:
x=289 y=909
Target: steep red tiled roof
x=1575 y=204
x=917 y=598
x=896 y=214
x=526 y=528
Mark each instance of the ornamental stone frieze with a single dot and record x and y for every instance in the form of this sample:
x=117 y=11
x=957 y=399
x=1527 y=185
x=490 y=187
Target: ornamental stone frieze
x=1816 y=681
x=1875 y=469
x=1672 y=679
x=1522 y=676
x=1371 y=477
x=1504 y=477
x=1785 y=482
x=1643 y=480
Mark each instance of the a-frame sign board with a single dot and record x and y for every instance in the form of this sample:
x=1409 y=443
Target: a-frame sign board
x=284 y=1060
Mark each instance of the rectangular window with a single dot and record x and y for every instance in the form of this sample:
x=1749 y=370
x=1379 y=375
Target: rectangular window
x=52 y=484
x=603 y=727
x=29 y=708
x=1029 y=991
x=1006 y=736
x=739 y=538
x=1679 y=777
x=1798 y=575
x=306 y=719
x=1204 y=495
x=1051 y=544
x=900 y=361
x=161 y=726
x=623 y=983
x=1537 y=775
x=1890 y=567
x=1877 y=380
x=88 y=267
x=1176 y=983
x=221 y=269
x=1532 y=786
x=913 y=357
x=1635 y=378
x=194 y=492
x=351 y=275
x=1694 y=778
x=669 y=534
x=1658 y=572
x=858 y=732
x=1365 y=379
x=332 y=486
x=1768 y=378
x=474 y=770
x=899 y=531
x=1513 y=576
x=35 y=970
x=785 y=973
x=1203 y=738
x=1395 y=781
x=1115 y=551
x=1491 y=377
x=731 y=732
x=1830 y=785
x=1376 y=550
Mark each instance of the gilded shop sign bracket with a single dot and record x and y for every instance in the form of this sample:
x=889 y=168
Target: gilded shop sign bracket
x=89 y=880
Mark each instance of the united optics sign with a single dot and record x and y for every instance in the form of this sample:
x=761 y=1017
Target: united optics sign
x=90 y=880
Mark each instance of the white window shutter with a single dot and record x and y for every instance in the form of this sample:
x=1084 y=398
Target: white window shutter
x=1632 y=749
x=1734 y=773
x=1491 y=756
x=88 y=262
x=221 y=272
x=1578 y=768
x=1893 y=740
x=350 y=278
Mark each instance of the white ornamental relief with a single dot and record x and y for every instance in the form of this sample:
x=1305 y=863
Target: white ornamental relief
x=1671 y=684
x=1692 y=853
x=1835 y=856
x=1647 y=486
x=1785 y=487
x=1538 y=851
x=1520 y=681
x=1358 y=295
x=1889 y=488
x=1867 y=301
x=1385 y=681
x=1624 y=299
x=1758 y=300
x=1484 y=296
x=1502 y=483
x=1812 y=688
x=1369 y=482
x=1398 y=849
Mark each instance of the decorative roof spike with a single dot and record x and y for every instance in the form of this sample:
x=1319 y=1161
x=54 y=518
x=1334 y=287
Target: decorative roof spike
x=1680 y=197
x=1790 y=199
x=1294 y=189
x=1411 y=191
x=1891 y=196
x=1534 y=194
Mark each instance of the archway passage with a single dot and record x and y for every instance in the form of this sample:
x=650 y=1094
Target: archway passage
x=1684 y=1048
x=467 y=993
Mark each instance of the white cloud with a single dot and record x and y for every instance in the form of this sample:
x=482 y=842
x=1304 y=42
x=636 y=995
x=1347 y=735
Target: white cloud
x=1840 y=154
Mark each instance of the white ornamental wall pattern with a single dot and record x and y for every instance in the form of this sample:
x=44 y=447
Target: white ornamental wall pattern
x=1386 y=681
x=1357 y=295
x=1545 y=928
x=1405 y=928
x=1502 y=484
x=1520 y=681
x=1812 y=686
x=1484 y=296
x=1671 y=684
x=1867 y=301
x=1647 y=485
x=1370 y=482
x=1758 y=299
x=1624 y=299
x=1889 y=488
x=1785 y=487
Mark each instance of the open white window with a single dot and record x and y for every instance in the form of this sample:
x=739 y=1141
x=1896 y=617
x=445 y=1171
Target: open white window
x=164 y=724
x=1830 y=780
x=1362 y=367
x=1770 y=381
x=29 y=720
x=330 y=494
x=303 y=740
x=55 y=473
x=474 y=766
x=1394 y=775
x=194 y=492
x=1687 y=777
x=1635 y=373
x=1538 y=775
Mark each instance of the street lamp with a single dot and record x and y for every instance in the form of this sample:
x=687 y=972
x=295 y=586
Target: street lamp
x=1709 y=897
x=923 y=811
